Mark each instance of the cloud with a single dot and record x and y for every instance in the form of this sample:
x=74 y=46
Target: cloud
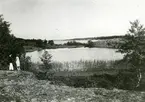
x=18 y=6
x=72 y=18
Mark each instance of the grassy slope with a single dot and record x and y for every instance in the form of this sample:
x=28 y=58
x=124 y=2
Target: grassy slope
x=24 y=87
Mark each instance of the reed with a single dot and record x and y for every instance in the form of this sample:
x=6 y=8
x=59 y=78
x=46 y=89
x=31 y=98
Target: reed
x=85 y=65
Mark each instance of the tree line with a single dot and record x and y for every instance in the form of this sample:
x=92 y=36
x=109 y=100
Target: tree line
x=36 y=42
x=99 y=38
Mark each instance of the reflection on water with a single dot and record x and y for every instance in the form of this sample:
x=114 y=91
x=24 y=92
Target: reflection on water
x=77 y=54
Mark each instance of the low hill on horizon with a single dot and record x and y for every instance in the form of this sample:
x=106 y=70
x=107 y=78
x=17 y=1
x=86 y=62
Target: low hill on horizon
x=83 y=38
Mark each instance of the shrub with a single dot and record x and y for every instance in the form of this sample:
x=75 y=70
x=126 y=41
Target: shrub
x=46 y=59
x=25 y=62
x=126 y=80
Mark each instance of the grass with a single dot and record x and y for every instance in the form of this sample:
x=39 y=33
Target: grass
x=122 y=80
x=22 y=86
x=88 y=74
x=86 y=65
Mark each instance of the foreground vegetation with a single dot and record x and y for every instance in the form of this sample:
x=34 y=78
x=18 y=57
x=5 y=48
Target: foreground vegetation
x=88 y=74
x=87 y=65
x=24 y=87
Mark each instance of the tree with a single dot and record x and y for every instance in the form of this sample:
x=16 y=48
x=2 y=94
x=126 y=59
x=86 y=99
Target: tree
x=51 y=42
x=5 y=40
x=8 y=43
x=133 y=48
x=90 y=44
x=39 y=43
x=45 y=42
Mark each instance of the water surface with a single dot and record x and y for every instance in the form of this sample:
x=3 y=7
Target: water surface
x=77 y=54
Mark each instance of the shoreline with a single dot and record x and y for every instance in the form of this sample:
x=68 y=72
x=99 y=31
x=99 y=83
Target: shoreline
x=58 y=47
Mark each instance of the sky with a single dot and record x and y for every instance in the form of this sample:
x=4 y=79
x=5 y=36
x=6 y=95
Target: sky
x=63 y=19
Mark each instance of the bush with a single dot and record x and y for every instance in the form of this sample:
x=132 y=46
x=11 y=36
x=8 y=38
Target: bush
x=46 y=59
x=25 y=62
x=126 y=80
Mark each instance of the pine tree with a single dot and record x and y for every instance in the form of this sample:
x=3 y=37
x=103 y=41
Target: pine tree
x=133 y=47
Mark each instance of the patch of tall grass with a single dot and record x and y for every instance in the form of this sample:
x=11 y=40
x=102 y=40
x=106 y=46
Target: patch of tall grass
x=86 y=65
x=87 y=74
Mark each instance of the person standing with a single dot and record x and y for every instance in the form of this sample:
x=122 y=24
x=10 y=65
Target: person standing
x=11 y=67
x=18 y=63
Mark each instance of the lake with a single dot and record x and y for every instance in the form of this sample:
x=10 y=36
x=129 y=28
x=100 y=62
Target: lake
x=77 y=54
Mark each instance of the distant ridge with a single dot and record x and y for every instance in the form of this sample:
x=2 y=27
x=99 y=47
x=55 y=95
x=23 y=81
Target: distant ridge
x=86 y=38
x=97 y=38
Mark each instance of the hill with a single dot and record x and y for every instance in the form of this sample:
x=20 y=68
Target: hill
x=24 y=87
x=99 y=38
